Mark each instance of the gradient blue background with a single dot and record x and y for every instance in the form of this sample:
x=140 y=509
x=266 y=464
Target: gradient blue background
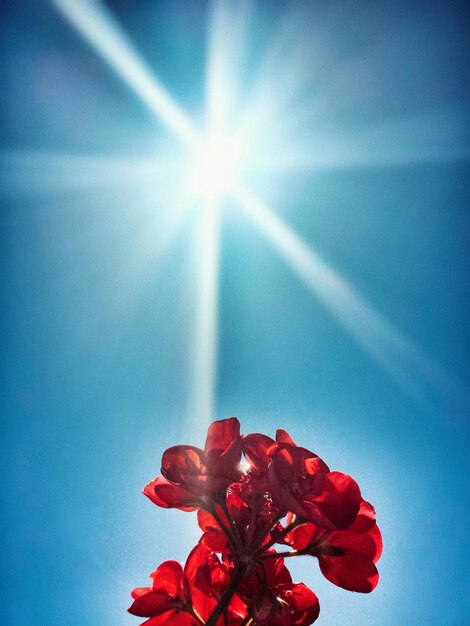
x=95 y=344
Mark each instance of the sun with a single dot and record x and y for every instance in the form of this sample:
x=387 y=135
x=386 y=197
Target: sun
x=218 y=160
x=215 y=165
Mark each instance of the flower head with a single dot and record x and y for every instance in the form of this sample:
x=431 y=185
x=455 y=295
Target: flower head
x=288 y=495
x=347 y=557
x=190 y=475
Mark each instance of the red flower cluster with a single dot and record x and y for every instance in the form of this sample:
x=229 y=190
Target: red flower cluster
x=286 y=496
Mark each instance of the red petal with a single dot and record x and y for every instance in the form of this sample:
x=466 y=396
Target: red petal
x=163 y=493
x=221 y=435
x=289 y=468
x=282 y=497
x=369 y=543
x=186 y=466
x=151 y=604
x=299 y=460
x=172 y=618
x=282 y=436
x=304 y=604
x=204 y=605
x=365 y=519
x=255 y=449
x=213 y=537
x=223 y=450
x=277 y=573
x=215 y=541
x=300 y=537
x=206 y=521
x=337 y=505
x=179 y=462
x=212 y=577
x=197 y=557
x=168 y=577
x=377 y=538
x=352 y=571
x=140 y=591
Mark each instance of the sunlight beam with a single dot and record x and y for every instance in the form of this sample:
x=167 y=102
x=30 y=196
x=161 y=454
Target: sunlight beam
x=217 y=101
x=102 y=32
x=33 y=172
x=422 y=138
x=209 y=183
x=202 y=394
x=397 y=354
x=99 y=28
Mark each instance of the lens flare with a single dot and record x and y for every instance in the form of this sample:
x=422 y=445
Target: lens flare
x=218 y=161
x=215 y=166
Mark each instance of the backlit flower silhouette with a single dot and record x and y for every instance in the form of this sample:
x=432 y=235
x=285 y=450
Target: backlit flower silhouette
x=289 y=497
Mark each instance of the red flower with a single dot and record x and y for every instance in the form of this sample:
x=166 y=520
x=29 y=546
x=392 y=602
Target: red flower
x=259 y=449
x=301 y=482
x=190 y=474
x=209 y=471
x=240 y=514
x=178 y=596
x=168 y=600
x=346 y=557
x=303 y=604
x=251 y=511
x=274 y=600
x=208 y=578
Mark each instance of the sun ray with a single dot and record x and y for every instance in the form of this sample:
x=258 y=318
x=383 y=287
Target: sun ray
x=30 y=173
x=434 y=136
x=227 y=43
x=278 y=76
x=103 y=33
x=204 y=360
x=397 y=354
x=36 y=175
x=202 y=396
x=217 y=100
x=414 y=371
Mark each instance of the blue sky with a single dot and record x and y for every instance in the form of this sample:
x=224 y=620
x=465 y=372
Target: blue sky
x=342 y=294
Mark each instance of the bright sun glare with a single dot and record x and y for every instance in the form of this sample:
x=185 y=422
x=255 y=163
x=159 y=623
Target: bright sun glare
x=215 y=172
x=215 y=166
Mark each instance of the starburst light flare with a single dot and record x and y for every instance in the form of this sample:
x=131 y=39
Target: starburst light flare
x=218 y=160
x=215 y=165
x=31 y=172
x=397 y=354
x=101 y=31
x=204 y=358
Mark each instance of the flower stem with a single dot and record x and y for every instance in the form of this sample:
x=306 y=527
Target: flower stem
x=295 y=522
x=196 y=616
x=227 y=532
x=281 y=555
x=233 y=524
x=226 y=596
x=268 y=528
